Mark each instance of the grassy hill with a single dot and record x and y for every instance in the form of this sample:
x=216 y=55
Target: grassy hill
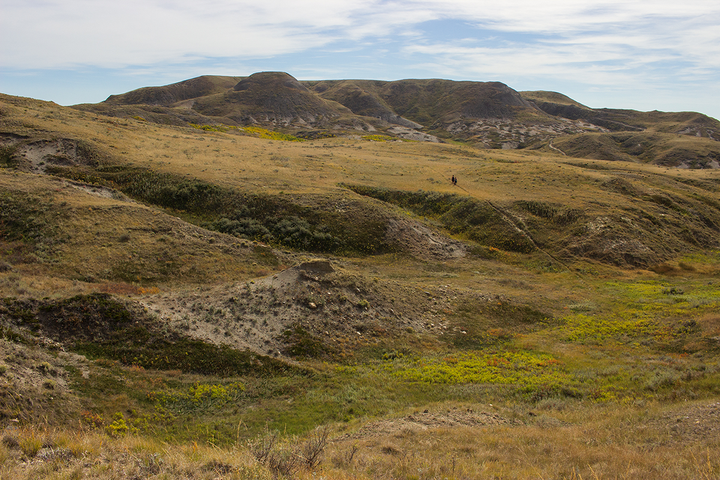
x=176 y=93
x=482 y=114
x=683 y=139
x=236 y=301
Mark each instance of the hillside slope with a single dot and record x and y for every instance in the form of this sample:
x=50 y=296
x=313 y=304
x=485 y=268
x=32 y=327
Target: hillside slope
x=201 y=301
x=176 y=93
x=311 y=197
x=682 y=139
x=485 y=114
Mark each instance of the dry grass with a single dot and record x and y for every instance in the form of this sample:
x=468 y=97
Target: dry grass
x=112 y=245
x=601 y=443
x=578 y=442
x=318 y=166
x=60 y=455
x=104 y=240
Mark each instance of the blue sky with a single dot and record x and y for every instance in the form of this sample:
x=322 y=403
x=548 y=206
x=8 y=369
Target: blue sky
x=643 y=55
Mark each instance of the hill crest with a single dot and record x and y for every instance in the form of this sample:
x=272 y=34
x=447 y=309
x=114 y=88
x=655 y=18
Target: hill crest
x=483 y=114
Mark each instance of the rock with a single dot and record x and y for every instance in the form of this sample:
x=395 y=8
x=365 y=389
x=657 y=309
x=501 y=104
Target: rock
x=317 y=266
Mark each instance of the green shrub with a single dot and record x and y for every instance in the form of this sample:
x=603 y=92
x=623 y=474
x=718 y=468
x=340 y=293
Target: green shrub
x=275 y=219
x=118 y=427
x=8 y=156
x=214 y=128
x=303 y=345
x=270 y=135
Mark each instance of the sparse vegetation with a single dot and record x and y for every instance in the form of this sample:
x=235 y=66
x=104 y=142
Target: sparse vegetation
x=278 y=220
x=460 y=215
x=8 y=156
x=163 y=312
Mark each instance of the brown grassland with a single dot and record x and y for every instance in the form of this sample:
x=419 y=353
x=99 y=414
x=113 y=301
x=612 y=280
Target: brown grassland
x=186 y=303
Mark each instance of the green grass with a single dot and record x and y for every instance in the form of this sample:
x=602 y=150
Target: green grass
x=460 y=215
x=378 y=138
x=258 y=132
x=200 y=397
x=179 y=407
x=214 y=128
x=270 y=135
x=525 y=369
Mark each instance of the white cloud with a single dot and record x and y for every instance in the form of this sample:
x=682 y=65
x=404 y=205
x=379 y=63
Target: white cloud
x=55 y=34
x=58 y=34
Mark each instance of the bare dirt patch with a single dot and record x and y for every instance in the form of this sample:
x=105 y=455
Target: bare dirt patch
x=37 y=155
x=429 y=420
x=422 y=242
x=316 y=301
x=99 y=191
x=689 y=424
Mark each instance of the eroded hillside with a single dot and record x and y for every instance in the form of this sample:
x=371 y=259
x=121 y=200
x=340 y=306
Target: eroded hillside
x=483 y=114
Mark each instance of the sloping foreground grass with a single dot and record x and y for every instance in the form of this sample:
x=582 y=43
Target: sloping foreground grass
x=644 y=344
x=598 y=393
x=641 y=442
x=605 y=444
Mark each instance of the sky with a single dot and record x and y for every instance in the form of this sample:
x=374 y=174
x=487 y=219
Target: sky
x=642 y=55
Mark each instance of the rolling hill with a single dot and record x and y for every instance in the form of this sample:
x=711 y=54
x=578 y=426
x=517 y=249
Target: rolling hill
x=486 y=114
x=258 y=277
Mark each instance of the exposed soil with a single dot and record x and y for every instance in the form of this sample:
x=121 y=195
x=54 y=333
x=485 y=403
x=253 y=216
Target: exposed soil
x=34 y=383
x=696 y=422
x=427 y=420
x=422 y=242
x=317 y=302
x=36 y=155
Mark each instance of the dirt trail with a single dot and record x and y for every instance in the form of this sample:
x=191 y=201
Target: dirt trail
x=426 y=420
x=553 y=147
